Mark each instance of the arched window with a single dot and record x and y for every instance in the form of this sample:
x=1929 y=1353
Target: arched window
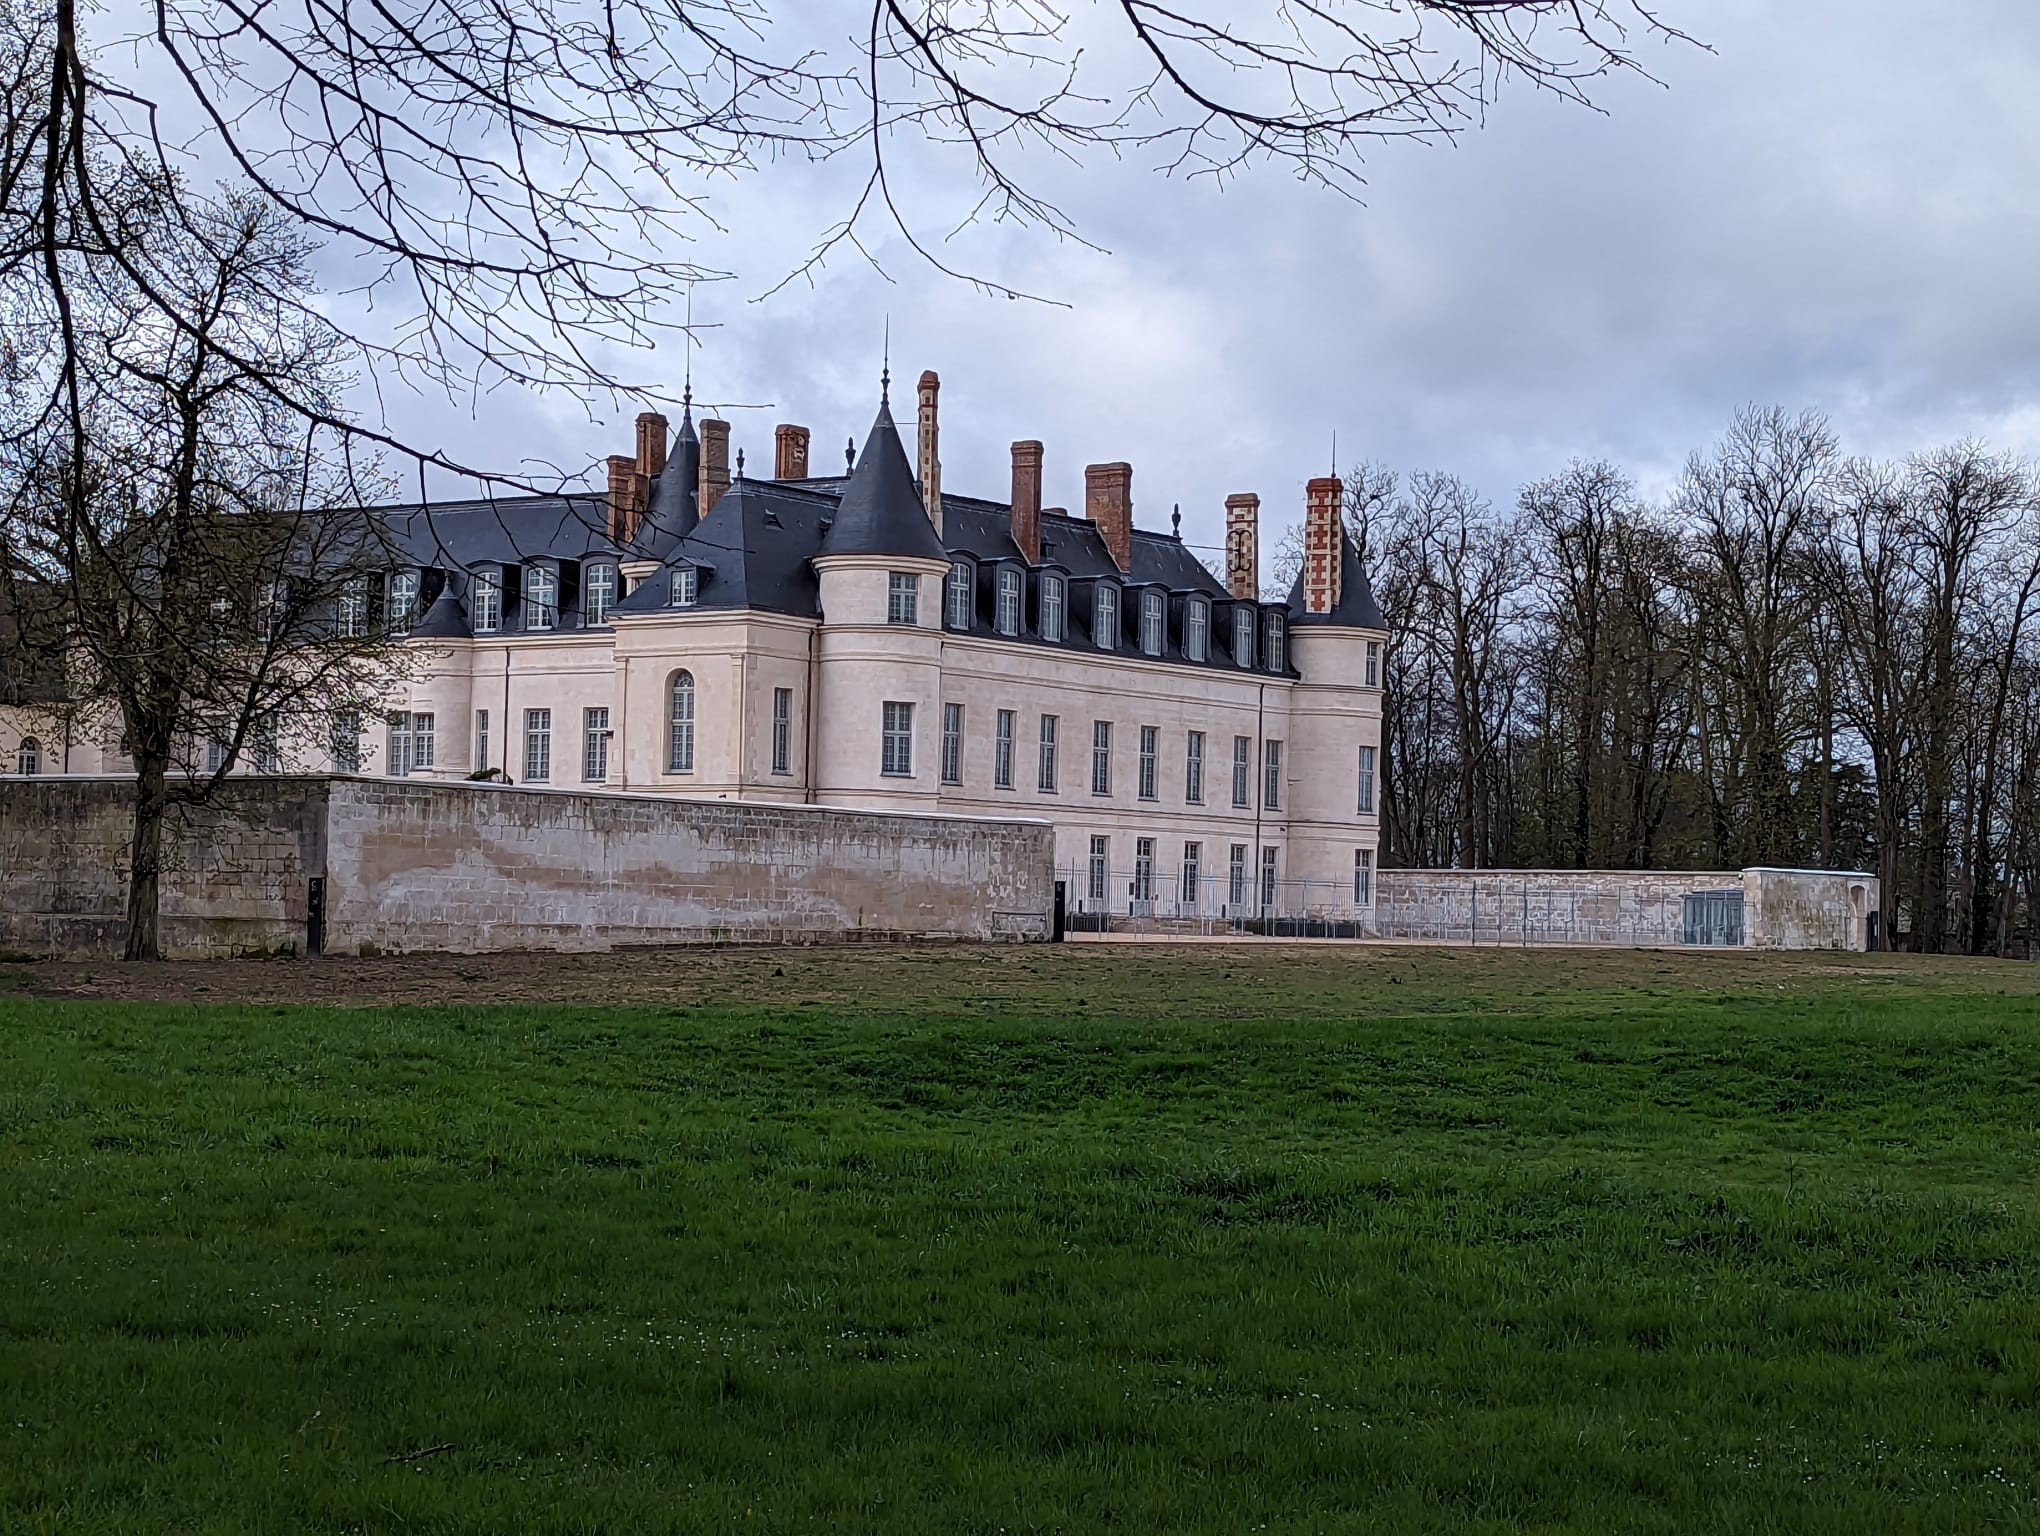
x=680 y=724
x=29 y=759
x=403 y=602
x=601 y=594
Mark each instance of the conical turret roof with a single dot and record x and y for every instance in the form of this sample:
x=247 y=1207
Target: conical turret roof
x=881 y=511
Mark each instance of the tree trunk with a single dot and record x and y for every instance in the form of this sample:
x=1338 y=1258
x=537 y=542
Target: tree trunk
x=145 y=863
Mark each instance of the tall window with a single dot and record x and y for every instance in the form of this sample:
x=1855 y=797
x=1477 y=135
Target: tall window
x=1047 y=774
x=1144 y=869
x=1002 y=752
x=1267 y=879
x=1196 y=629
x=1363 y=877
x=481 y=740
x=537 y=745
x=952 y=743
x=594 y=745
x=215 y=753
x=488 y=605
x=1374 y=664
x=28 y=758
x=782 y=730
x=267 y=758
x=957 y=588
x=896 y=744
x=1193 y=769
x=1276 y=649
x=346 y=741
x=1236 y=877
x=1242 y=771
x=397 y=746
x=1187 y=893
x=1101 y=757
x=1052 y=608
x=422 y=754
x=541 y=597
x=1367 y=781
x=1008 y=615
x=1101 y=858
x=601 y=596
x=685 y=590
x=1105 y=617
x=902 y=598
x=1153 y=622
x=403 y=602
x=1150 y=748
x=1271 y=797
x=680 y=723
x=354 y=608
x=1243 y=637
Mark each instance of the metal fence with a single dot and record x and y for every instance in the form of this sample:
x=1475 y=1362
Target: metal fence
x=1109 y=900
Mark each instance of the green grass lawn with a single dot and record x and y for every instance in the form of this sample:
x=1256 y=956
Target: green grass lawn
x=1091 y=1239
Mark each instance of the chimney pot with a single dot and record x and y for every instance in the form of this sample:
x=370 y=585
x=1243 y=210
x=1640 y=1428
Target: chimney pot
x=1243 y=545
x=1027 y=500
x=1108 y=502
x=790 y=446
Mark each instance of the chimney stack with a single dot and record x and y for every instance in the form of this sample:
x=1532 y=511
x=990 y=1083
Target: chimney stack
x=1027 y=500
x=1108 y=502
x=628 y=492
x=1243 y=545
x=651 y=443
x=790 y=446
x=930 y=446
x=1321 y=544
x=715 y=464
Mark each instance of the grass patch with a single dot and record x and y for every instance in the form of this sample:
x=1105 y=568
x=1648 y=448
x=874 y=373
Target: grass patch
x=1205 y=1241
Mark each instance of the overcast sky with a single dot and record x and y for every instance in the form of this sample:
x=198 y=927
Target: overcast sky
x=1834 y=209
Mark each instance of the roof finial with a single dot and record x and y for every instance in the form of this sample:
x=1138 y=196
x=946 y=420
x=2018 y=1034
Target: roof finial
x=740 y=463
x=849 y=454
x=885 y=373
x=1176 y=520
x=687 y=396
x=1335 y=453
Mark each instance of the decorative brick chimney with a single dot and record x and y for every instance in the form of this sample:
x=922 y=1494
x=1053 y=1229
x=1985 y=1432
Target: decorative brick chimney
x=1321 y=544
x=715 y=464
x=789 y=453
x=629 y=490
x=1243 y=545
x=1108 y=502
x=651 y=443
x=1027 y=500
x=930 y=467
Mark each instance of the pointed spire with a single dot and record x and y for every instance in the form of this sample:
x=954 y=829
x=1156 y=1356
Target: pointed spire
x=881 y=512
x=885 y=368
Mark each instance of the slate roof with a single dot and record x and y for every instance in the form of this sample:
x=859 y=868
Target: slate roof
x=752 y=551
x=881 y=512
x=1356 y=608
x=446 y=619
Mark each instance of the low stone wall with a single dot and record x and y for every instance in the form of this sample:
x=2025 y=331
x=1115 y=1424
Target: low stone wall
x=416 y=866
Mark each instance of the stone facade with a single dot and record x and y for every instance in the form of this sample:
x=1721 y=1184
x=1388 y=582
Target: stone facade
x=414 y=866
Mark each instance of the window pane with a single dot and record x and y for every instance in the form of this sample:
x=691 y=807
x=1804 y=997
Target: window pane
x=1150 y=749
x=903 y=598
x=1051 y=608
x=595 y=751
x=1367 y=781
x=896 y=746
x=1196 y=629
x=1047 y=778
x=782 y=730
x=1002 y=753
x=1101 y=757
x=537 y=745
x=1272 y=796
x=1105 y=619
x=1243 y=637
x=1009 y=601
x=1242 y=770
x=680 y=723
x=959 y=595
x=601 y=592
x=952 y=743
x=541 y=598
x=1193 y=769
x=488 y=614
x=1152 y=624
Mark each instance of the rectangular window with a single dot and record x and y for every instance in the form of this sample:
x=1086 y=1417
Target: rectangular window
x=1374 y=664
x=1243 y=637
x=1275 y=647
x=958 y=590
x=267 y=759
x=1002 y=752
x=346 y=741
x=680 y=723
x=782 y=730
x=354 y=608
x=1150 y=747
x=421 y=740
x=1047 y=775
x=1101 y=757
x=397 y=748
x=537 y=745
x=1051 y=608
x=896 y=746
x=1267 y=879
x=1144 y=870
x=1236 y=877
x=215 y=753
x=1196 y=629
x=1363 y=877
x=1009 y=601
x=1105 y=617
x=481 y=739
x=1193 y=858
x=1101 y=855
x=1193 y=769
x=686 y=588
x=1153 y=622
x=601 y=593
x=488 y=614
x=1271 y=798
x=952 y=743
x=1367 y=781
x=902 y=598
x=403 y=602
x=1242 y=771
x=595 y=753
x=541 y=598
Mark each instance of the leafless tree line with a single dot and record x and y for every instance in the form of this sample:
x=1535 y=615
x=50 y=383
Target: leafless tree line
x=1797 y=658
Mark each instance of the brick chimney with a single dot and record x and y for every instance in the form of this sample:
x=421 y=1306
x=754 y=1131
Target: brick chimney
x=930 y=466
x=1027 y=500
x=715 y=464
x=1108 y=502
x=1243 y=545
x=1321 y=544
x=629 y=490
x=789 y=453
x=651 y=443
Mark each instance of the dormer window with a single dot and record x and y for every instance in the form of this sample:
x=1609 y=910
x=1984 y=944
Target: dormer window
x=686 y=588
x=1009 y=601
x=1153 y=622
x=601 y=593
x=488 y=603
x=1243 y=637
x=1274 y=647
x=541 y=597
x=902 y=598
x=956 y=592
x=403 y=602
x=354 y=608
x=1052 y=608
x=1196 y=629
x=1105 y=617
